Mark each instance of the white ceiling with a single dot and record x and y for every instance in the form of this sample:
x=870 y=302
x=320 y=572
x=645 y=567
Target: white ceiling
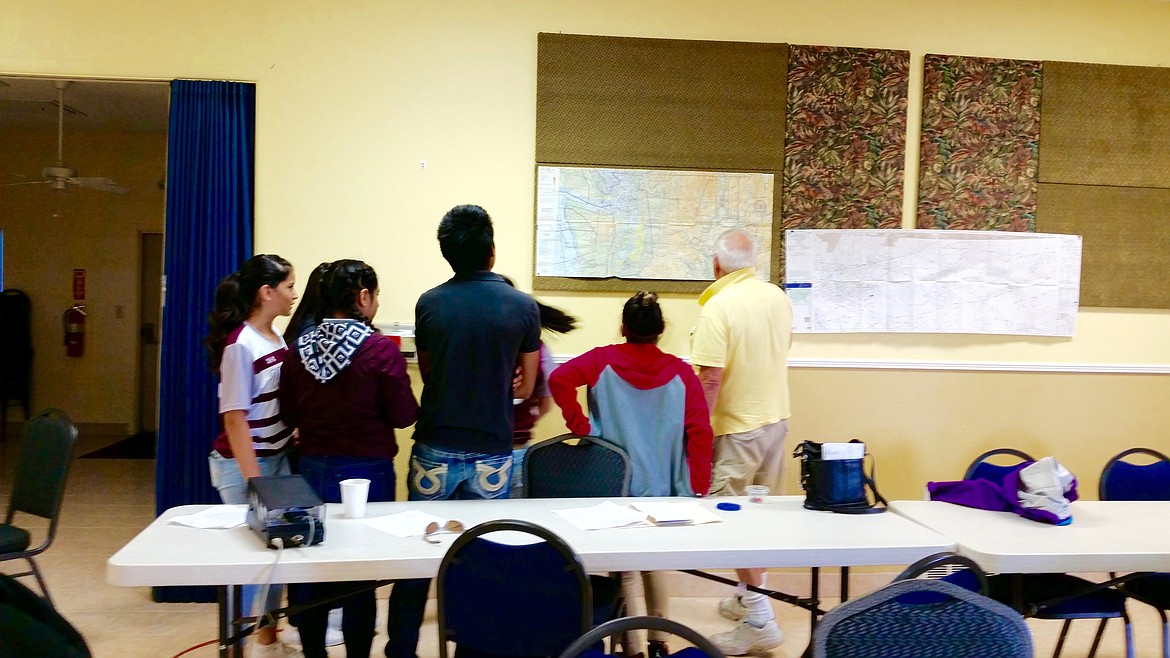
x=90 y=105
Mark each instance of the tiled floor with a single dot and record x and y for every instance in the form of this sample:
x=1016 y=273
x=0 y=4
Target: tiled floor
x=109 y=501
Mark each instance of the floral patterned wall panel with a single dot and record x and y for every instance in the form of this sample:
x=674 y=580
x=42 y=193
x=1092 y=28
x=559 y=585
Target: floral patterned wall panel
x=845 y=143
x=980 y=143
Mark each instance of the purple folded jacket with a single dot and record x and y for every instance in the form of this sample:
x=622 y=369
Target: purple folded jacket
x=997 y=497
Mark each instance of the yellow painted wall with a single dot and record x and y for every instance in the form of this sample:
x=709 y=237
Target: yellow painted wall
x=352 y=96
x=48 y=234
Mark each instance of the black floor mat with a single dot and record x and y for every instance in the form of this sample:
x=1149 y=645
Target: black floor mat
x=140 y=446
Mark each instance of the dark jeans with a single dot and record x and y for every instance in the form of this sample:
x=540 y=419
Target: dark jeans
x=359 y=612
x=408 y=599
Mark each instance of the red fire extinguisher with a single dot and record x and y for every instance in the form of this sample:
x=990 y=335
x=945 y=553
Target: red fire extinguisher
x=75 y=330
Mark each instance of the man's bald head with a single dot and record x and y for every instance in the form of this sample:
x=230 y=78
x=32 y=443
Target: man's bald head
x=735 y=249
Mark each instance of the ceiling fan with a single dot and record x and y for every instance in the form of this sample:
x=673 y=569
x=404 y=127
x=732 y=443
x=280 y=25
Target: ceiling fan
x=60 y=175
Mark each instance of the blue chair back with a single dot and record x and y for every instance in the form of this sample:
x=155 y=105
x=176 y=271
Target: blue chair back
x=982 y=469
x=882 y=624
x=574 y=466
x=1125 y=480
x=510 y=599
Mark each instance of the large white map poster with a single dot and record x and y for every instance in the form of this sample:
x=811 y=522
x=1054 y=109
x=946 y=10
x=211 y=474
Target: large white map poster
x=645 y=223
x=975 y=282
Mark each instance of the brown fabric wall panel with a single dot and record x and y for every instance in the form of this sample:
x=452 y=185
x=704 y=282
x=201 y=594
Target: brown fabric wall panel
x=980 y=136
x=1126 y=247
x=846 y=137
x=660 y=103
x=1105 y=125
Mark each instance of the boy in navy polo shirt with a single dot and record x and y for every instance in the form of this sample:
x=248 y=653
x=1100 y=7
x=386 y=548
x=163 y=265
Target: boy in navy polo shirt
x=470 y=333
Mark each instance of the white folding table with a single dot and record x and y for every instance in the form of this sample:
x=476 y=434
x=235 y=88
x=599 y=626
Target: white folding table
x=776 y=533
x=1103 y=536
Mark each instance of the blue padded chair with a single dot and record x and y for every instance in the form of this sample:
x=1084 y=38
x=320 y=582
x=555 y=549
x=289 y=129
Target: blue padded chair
x=508 y=599
x=574 y=466
x=1126 y=480
x=1075 y=598
x=892 y=622
x=983 y=468
x=46 y=452
x=948 y=567
x=583 y=646
x=1122 y=479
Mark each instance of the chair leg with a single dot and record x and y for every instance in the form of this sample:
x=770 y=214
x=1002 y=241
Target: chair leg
x=1060 y=640
x=41 y=581
x=1097 y=638
x=1128 y=635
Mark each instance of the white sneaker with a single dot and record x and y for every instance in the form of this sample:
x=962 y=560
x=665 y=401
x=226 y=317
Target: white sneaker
x=746 y=638
x=733 y=608
x=277 y=649
x=333 y=635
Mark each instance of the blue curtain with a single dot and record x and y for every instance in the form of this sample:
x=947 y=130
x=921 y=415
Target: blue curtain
x=210 y=179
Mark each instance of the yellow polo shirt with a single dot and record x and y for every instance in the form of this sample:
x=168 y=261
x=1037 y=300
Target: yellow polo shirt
x=745 y=328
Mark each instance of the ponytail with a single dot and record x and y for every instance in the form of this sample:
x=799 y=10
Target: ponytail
x=551 y=318
x=236 y=297
x=309 y=307
x=554 y=319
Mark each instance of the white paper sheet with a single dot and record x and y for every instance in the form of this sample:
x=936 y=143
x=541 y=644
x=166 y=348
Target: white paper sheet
x=933 y=281
x=605 y=515
x=411 y=523
x=681 y=513
x=218 y=517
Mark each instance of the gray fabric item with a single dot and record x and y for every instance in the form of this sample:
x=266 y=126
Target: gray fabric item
x=329 y=348
x=1042 y=486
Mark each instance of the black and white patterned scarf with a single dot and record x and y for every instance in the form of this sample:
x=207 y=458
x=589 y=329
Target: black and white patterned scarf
x=329 y=348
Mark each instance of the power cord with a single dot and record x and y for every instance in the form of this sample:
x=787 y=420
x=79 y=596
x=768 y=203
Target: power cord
x=260 y=615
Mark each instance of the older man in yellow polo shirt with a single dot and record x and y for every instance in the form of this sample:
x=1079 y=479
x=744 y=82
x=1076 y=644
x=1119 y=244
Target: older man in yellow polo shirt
x=741 y=346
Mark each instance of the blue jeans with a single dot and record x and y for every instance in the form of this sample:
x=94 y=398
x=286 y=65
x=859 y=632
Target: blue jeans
x=518 y=472
x=325 y=473
x=358 y=605
x=437 y=474
x=229 y=481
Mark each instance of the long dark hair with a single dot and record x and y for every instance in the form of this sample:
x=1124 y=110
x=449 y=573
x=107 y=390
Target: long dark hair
x=235 y=298
x=340 y=287
x=642 y=318
x=551 y=318
x=309 y=307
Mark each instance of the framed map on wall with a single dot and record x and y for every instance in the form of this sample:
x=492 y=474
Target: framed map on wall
x=611 y=223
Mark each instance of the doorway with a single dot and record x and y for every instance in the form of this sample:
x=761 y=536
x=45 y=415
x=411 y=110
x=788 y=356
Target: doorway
x=149 y=329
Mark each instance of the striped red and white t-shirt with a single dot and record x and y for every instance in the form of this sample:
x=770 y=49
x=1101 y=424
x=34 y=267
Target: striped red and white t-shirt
x=249 y=378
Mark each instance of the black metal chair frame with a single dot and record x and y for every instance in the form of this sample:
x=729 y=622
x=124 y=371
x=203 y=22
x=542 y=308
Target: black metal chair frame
x=39 y=486
x=572 y=561
x=626 y=624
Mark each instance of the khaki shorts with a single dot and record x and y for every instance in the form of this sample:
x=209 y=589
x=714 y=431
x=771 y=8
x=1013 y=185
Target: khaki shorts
x=753 y=457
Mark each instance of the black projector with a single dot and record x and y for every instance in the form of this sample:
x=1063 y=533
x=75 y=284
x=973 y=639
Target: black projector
x=286 y=508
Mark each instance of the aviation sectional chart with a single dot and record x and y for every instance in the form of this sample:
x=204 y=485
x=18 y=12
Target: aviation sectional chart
x=645 y=224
